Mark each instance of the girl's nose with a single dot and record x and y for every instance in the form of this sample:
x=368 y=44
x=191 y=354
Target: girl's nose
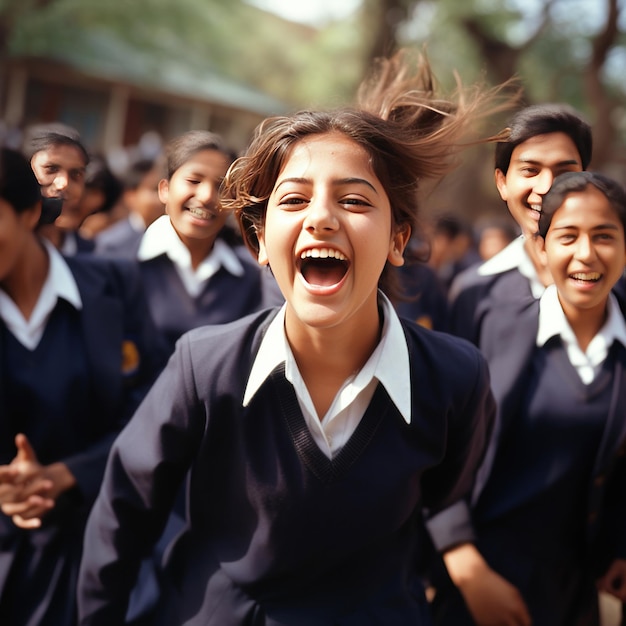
x=320 y=216
x=584 y=249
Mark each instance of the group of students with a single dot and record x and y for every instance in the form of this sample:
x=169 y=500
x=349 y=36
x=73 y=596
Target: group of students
x=191 y=437
x=544 y=526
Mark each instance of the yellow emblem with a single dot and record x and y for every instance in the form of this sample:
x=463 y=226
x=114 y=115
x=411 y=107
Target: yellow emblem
x=425 y=321
x=130 y=357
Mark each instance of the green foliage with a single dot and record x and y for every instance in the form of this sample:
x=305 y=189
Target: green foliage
x=294 y=63
x=304 y=66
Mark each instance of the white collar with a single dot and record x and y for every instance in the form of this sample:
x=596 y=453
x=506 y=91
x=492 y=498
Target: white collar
x=59 y=283
x=552 y=321
x=60 y=277
x=389 y=363
x=161 y=238
x=136 y=222
x=69 y=245
x=514 y=256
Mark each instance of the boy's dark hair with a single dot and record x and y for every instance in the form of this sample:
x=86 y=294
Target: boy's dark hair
x=18 y=185
x=571 y=182
x=99 y=176
x=43 y=136
x=180 y=149
x=136 y=172
x=452 y=226
x=541 y=119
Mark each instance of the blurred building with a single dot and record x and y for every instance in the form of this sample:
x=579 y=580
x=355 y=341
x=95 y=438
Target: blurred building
x=114 y=95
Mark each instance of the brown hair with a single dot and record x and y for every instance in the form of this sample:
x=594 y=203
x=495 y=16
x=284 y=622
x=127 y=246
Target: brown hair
x=45 y=136
x=408 y=131
x=180 y=149
x=575 y=182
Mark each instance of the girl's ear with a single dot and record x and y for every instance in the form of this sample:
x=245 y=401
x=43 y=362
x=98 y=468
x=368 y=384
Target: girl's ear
x=164 y=191
x=262 y=254
x=398 y=244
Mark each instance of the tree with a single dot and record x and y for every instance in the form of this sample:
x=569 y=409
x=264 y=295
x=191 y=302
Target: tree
x=560 y=50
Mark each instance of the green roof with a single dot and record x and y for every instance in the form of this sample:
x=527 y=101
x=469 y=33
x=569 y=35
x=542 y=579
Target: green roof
x=100 y=54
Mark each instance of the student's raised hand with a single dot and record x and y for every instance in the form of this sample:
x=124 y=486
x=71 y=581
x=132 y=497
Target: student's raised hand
x=614 y=580
x=491 y=599
x=28 y=490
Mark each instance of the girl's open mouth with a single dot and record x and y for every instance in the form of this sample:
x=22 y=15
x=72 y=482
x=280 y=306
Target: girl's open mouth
x=323 y=267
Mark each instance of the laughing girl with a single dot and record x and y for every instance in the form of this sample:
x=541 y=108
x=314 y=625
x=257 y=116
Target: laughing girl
x=549 y=507
x=317 y=433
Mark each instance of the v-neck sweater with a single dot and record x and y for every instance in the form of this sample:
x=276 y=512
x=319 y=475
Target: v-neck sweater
x=277 y=532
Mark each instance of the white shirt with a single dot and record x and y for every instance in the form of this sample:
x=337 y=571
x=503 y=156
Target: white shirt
x=389 y=364
x=60 y=283
x=552 y=321
x=514 y=256
x=136 y=222
x=161 y=238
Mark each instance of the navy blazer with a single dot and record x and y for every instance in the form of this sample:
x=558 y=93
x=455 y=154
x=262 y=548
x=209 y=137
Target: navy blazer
x=473 y=295
x=423 y=298
x=123 y=360
x=124 y=357
x=121 y=239
x=508 y=341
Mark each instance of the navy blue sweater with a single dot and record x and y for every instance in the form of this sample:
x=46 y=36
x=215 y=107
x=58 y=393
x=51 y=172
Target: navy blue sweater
x=278 y=533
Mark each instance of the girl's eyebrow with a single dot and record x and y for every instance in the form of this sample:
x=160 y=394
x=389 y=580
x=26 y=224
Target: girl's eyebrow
x=609 y=226
x=338 y=182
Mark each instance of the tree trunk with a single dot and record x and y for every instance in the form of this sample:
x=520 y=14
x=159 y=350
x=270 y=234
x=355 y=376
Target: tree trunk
x=604 y=144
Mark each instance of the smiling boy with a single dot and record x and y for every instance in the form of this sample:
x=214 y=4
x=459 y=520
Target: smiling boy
x=544 y=140
x=547 y=515
x=59 y=160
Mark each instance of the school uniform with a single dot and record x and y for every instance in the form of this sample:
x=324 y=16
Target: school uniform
x=122 y=238
x=285 y=525
x=74 y=243
x=69 y=379
x=423 y=298
x=227 y=284
x=508 y=276
x=548 y=510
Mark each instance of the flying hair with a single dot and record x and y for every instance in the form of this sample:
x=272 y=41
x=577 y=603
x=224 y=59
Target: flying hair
x=410 y=131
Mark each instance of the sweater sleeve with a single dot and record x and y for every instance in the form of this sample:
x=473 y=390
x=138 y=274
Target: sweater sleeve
x=448 y=487
x=147 y=463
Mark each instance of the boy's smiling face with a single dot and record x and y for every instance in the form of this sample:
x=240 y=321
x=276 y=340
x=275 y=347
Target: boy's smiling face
x=585 y=250
x=328 y=233
x=535 y=163
x=60 y=171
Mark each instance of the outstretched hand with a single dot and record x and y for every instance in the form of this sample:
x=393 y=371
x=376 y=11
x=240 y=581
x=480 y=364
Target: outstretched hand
x=28 y=490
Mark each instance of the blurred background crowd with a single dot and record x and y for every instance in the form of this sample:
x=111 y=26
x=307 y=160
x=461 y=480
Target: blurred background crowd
x=132 y=76
x=129 y=76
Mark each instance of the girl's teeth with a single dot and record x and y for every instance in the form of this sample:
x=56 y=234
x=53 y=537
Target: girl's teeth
x=323 y=253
